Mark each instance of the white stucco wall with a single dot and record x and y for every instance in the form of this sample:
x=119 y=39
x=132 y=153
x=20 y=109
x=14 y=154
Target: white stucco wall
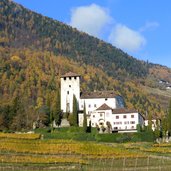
x=154 y=124
x=94 y=103
x=122 y=124
x=69 y=86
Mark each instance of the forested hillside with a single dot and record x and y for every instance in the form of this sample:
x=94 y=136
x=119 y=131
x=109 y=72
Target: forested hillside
x=21 y=28
x=35 y=51
x=30 y=81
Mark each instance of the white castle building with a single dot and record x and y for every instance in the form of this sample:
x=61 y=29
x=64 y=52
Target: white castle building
x=101 y=106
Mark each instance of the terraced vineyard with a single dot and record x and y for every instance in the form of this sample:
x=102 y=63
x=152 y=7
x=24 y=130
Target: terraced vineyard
x=21 y=152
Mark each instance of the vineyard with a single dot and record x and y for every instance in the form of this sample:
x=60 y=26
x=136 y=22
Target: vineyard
x=27 y=152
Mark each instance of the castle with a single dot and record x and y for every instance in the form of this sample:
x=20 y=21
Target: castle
x=102 y=107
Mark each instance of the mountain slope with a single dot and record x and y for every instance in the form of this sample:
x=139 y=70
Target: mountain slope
x=30 y=79
x=21 y=28
x=36 y=50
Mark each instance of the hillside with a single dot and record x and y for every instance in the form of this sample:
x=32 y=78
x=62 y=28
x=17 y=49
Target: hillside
x=30 y=79
x=34 y=52
x=21 y=28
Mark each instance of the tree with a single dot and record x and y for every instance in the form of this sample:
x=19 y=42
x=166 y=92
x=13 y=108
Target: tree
x=157 y=131
x=169 y=118
x=75 y=111
x=85 y=119
x=57 y=113
x=109 y=127
x=73 y=117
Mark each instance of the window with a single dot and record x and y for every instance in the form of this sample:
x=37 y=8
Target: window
x=75 y=78
x=93 y=116
x=64 y=78
x=132 y=116
x=132 y=127
x=126 y=122
x=105 y=99
x=69 y=85
x=95 y=105
x=124 y=116
x=67 y=92
x=89 y=105
x=132 y=122
x=82 y=106
x=101 y=114
x=70 y=78
x=115 y=127
x=117 y=117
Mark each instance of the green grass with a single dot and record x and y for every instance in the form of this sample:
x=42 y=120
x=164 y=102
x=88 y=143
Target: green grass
x=76 y=133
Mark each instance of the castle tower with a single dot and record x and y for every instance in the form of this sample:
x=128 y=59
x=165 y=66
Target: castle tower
x=70 y=85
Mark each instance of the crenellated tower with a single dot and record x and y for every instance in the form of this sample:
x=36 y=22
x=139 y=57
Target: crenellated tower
x=70 y=85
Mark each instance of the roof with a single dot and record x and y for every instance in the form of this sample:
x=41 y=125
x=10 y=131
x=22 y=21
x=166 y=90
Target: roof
x=123 y=111
x=70 y=74
x=104 y=107
x=97 y=94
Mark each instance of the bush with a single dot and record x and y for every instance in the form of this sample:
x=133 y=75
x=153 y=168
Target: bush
x=119 y=138
x=147 y=136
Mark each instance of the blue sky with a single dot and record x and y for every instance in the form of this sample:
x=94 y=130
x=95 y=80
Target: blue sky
x=142 y=28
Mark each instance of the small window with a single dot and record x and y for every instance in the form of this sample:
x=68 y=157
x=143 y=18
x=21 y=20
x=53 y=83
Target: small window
x=101 y=114
x=132 y=116
x=132 y=127
x=64 y=78
x=117 y=117
x=132 y=122
x=67 y=92
x=82 y=106
x=69 y=85
x=93 y=116
x=95 y=105
x=92 y=124
x=105 y=99
x=75 y=78
x=70 y=78
x=89 y=105
x=115 y=127
x=124 y=116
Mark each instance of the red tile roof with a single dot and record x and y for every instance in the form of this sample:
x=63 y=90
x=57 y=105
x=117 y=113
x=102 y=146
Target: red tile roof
x=123 y=110
x=104 y=107
x=70 y=74
x=97 y=94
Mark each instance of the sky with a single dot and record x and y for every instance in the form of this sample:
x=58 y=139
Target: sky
x=141 y=28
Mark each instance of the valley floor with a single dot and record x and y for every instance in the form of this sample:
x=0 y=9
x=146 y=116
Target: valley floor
x=20 y=152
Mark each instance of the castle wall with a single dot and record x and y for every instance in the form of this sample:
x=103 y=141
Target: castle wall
x=69 y=86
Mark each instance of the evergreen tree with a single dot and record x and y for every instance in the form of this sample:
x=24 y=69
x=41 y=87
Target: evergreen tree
x=57 y=109
x=164 y=125
x=74 y=118
x=169 y=118
x=85 y=119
